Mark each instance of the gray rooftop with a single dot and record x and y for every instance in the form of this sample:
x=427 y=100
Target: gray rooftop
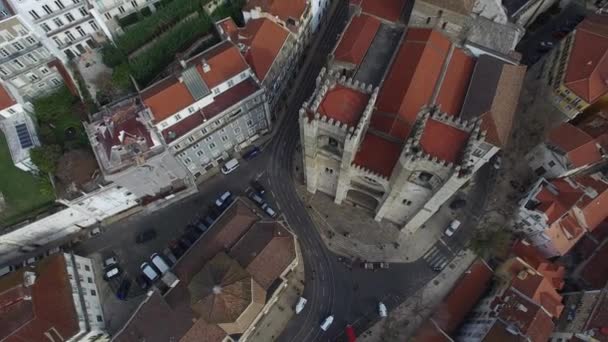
x=20 y=134
x=379 y=54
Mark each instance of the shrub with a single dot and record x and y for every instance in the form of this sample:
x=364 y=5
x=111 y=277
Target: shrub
x=121 y=77
x=45 y=157
x=112 y=56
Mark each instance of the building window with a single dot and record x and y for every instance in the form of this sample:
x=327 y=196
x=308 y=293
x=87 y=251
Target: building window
x=59 y=4
x=216 y=91
x=87 y=268
x=237 y=130
x=56 y=81
x=108 y=15
x=80 y=31
x=18 y=46
x=83 y=11
x=47 y=9
x=18 y=63
x=200 y=153
x=76 y=2
x=249 y=123
x=32 y=57
x=191 y=139
x=224 y=138
x=99 y=318
x=93 y=293
x=134 y=3
x=3 y=71
x=69 y=35
x=204 y=130
x=4 y=53
x=33 y=77
x=34 y=14
x=551 y=163
x=57 y=41
x=218 y=122
x=121 y=10
x=45 y=27
x=211 y=146
x=187 y=160
x=190 y=109
x=58 y=22
x=93 y=25
x=90 y=280
x=178 y=116
x=230 y=83
x=30 y=40
x=69 y=17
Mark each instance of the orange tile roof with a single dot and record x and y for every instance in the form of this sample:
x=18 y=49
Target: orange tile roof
x=357 y=38
x=532 y=322
x=344 y=105
x=587 y=69
x=579 y=147
x=264 y=39
x=386 y=9
x=594 y=210
x=229 y=28
x=283 y=9
x=555 y=205
x=540 y=290
x=225 y=61
x=412 y=77
x=6 y=99
x=378 y=154
x=455 y=84
x=166 y=98
x=443 y=141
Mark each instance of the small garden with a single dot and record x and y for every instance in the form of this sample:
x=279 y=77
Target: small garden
x=150 y=45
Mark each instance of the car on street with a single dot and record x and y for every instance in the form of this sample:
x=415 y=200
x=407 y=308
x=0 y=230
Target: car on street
x=230 y=166
x=452 y=227
x=300 y=305
x=269 y=211
x=546 y=44
x=224 y=200
x=112 y=272
x=368 y=265
x=123 y=290
x=146 y=235
x=109 y=261
x=252 y=153
x=382 y=265
x=382 y=310
x=255 y=185
x=159 y=262
x=255 y=198
x=327 y=322
x=149 y=271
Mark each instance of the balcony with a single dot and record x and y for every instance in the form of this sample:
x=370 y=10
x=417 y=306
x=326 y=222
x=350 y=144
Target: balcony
x=57 y=12
x=20 y=53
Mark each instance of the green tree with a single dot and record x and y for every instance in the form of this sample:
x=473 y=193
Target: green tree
x=45 y=187
x=121 y=77
x=46 y=157
x=55 y=106
x=488 y=243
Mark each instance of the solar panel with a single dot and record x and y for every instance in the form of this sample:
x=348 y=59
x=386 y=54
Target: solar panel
x=24 y=136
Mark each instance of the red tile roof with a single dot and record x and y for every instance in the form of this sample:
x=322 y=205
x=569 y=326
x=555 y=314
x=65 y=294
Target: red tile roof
x=594 y=209
x=51 y=304
x=225 y=61
x=166 y=98
x=587 y=69
x=220 y=103
x=413 y=75
x=463 y=297
x=344 y=105
x=283 y=9
x=229 y=28
x=580 y=148
x=529 y=318
x=443 y=141
x=540 y=290
x=455 y=84
x=6 y=99
x=377 y=154
x=555 y=205
x=357 y=38
x=264 y=39
x=386 y=9
x=595 y=271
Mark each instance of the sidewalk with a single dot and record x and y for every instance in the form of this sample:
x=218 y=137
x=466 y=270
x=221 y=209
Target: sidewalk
x=403 y=321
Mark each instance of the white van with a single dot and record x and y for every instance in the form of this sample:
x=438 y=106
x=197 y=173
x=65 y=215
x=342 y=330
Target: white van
x=230 y=166
x=452 y=228
x=382 y=310
x=149 y=272
x=300 y=306
x=160 y=263
x=327 y=322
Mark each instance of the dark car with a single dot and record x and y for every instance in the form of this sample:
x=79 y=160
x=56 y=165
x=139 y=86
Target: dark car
x=177 y=248
x=253 y=196
x=123 y=290
x=192 y=234
x=183 y=241
x=214 y=212
x=202 y=226
x=252 y=153
x=258 y=187
x=146 y=235
x=142 y=282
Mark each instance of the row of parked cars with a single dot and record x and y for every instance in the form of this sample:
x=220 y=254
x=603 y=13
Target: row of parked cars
x=30 y=261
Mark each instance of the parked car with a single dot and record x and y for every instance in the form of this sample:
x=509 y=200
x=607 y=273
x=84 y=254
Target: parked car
x=123 y=290
x=159 y=263
x=327 y=322
x=185 y=242
x=146 y=235
x=255 y=198
x=257 y=187
x=109 y=261
x=230 y=166
x=368 y=265
x=149 y=272
x=176 y=249
x=300 y=305
x=269 y=210
x=142 y=282
x=382 y=265
x=112 y=272
x=546 y=44
x=167 y=252
x=224 y=200
x=452 y=227
x=382 y=310
x=6 y=270
x=251 y=153
x=94 y=232
x=208 y=220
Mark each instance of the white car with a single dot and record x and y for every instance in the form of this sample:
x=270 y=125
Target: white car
x=300 y=306
x=327 y=322
x=230 y=166
x=110 y=261
x=382 y=310
x=452 y=228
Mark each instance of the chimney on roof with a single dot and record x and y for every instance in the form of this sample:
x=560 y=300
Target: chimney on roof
x=206 y=66
x=121 y=136
x=182 y=63
x=522 y=307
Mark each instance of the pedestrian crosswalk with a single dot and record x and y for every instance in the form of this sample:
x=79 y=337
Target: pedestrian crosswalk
x=438 y=256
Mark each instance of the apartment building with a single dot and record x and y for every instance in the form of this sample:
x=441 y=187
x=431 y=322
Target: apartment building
x=573 y=72
x=28 y=65
x=18 y=128
x=403 y=148
x=269 y=49
x=130 y=151
x=556 y=214
x=212 y=108
x=109 y=12
x=66 y=25
x=523 y=303
x=55 y=299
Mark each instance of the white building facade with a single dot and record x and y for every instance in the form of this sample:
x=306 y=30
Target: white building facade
x=109 y=12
